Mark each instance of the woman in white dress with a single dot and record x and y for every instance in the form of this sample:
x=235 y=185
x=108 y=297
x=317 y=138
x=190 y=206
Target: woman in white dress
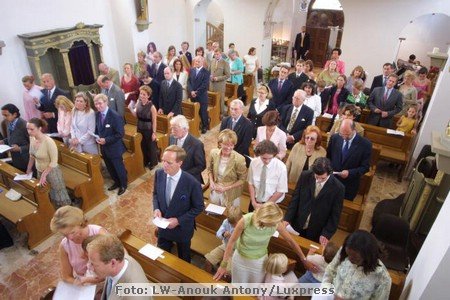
x=312 y=100
x=83 y=126
x=180 y=75
x=251 y=64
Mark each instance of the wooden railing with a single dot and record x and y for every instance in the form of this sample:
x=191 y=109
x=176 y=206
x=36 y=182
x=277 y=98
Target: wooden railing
x=214 y=33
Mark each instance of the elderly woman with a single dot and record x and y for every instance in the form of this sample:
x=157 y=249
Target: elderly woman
x=250 y=238
x=330 y=74
x=44 y=153
x=65 y=107
x=270 y=131
x=141 y=65
x=227 y=171
x=129 y=83
x=357 y=271
x=71 y=222
x=409 y=92
x=304 y=153
x=83 y=126
x=312 y=100
x=260 y=106
x=31 y=95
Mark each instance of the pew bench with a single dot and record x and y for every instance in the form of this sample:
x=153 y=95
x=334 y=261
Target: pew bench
x=132 y=158
x=230 y=93
x=33 y=212
x=214 y=109
x=191 y=112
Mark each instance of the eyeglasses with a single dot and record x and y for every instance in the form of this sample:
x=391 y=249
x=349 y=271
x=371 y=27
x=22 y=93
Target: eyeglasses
x=310 y=138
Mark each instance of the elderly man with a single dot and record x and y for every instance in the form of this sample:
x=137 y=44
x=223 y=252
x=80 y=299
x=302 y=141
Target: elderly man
x=198 y=83
x=47 y=102
x=384 y=103
x=109 y=260
x=220 y=72
x=349 y=154
x=170 y=95
x=116 y=97
x=316 y=207
x=335 y=55
x=241 y=125
x=295 y=118
x=281 y=88
x=111 y=73
x=157 y=69
x=195 y=161
x=177 y=197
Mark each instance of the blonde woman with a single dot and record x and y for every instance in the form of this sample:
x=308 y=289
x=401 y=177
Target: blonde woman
x=330 y=74
x=65 y=107
x=72 y=224
x=409 y=93
x=227 y=171
x=141 y=65
x=260 y=106
x=251 y=238
x=83 y=125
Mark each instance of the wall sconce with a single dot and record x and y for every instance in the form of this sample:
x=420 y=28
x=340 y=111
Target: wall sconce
x=2 y=44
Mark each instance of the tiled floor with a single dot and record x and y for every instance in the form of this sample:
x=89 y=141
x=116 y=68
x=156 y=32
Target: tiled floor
x=26 y=274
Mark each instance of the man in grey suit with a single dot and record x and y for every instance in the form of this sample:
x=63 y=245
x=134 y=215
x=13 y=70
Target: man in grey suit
x=170 y=95
x=107 y=256
x=16 y=136
x=384 y=103
x=116 y=97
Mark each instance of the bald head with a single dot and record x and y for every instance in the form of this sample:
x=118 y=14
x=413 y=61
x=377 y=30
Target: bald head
x=347 y=129
x=168 y=73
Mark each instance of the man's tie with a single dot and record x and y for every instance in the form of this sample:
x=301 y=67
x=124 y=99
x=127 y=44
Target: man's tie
x=102 y=119
x=345 y=150
x=292 y=121
x=233 y=123
x=318 y=189
x=386 y=95
x=280 y=85
x=262 y=185
x=384 y=80
x=10 y=128
x=108 y=286
x=303 y=37
x=168 y=190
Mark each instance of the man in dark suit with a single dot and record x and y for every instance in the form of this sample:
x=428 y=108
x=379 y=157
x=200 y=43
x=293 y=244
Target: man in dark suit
x=114 y=94
x=170 y=95
x=298 y=77
x=241 y=125
x=302 y=44
x=177 y=197
x=47 y=102
x=16 y=136
x=316 y=206
x=295 y=118
x=381 y=80
x=384 y=103
x=184 y=50
x=198 y=83
x=109 y=260
x=195 y=161
x=282 y=88
x=157 y=69
x=349 y=154
x=154 y=85
x=109 y=127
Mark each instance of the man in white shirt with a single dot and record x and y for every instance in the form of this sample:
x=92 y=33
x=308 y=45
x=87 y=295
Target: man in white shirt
x=107 y=256
x=267 y=176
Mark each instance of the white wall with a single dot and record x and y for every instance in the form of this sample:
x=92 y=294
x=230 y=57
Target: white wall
x=214 y=13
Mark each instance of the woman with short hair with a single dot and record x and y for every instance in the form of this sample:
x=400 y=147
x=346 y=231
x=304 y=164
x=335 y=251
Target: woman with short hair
x=260 y=106
x=251 y=63
x=31 y=96
x=141 y=65
x=83 y=126
x=270 y=131
x=129 y=83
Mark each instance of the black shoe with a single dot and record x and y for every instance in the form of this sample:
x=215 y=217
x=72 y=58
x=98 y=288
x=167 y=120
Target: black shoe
x=113 y=187
x=204 y=130
x=121 y=190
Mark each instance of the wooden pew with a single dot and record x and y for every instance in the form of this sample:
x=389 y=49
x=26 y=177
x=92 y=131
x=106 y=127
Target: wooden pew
x=33 y=212
x=230 y=92
x=169 y=269
x=82 y=175
x=214 y=109
x=249 y=86
x=132 y=158
x=191 y=112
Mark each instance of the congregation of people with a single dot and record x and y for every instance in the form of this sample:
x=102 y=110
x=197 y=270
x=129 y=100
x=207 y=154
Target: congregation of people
x=273 y=146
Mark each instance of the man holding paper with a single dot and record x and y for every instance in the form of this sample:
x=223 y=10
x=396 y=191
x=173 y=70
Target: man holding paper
x=177 y=197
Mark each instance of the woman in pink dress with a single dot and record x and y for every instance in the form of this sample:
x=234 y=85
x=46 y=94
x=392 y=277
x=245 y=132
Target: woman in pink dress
x=31 y=96
x=71 y=222
x=65 y=110
x=423 y=86
x=129 y=84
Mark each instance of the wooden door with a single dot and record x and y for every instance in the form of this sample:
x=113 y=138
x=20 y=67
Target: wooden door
x=319 y=45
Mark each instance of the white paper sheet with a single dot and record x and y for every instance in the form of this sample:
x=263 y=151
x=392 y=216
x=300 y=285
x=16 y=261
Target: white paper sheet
x=151 y=251
x=161 y=222
x=276 y=234
x=23 y=176
x=216 y=209
x=69 y=291
x=395 y=132
x=326 y=115
x=54 y=134
x=8 y=159
x=36 y=94
x=4 y=148
x=291 y=230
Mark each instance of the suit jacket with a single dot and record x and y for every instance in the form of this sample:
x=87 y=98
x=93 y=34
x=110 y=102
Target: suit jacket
x=188 y=55
x=112 y=131
x=298 y=81
x=195 y=161
x=48 y=105
x=284 y=95
x=114 y=76
x=393 y=105
x=221 y=70
x=244 y=132
x=298 y=41
x=357 y=161
x=19 y=136
x=304 y=119
x=328 y=94
x=186 y=203
x=325 y=209
x=116 y=99
x=297 y=159
x=155 y=86
x=199 y=83
x=377 y=82
x=133 y=274
x=170 y=97
x=158 y=74
x=256 y=118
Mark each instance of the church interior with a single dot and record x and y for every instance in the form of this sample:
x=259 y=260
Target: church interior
x=38 y=38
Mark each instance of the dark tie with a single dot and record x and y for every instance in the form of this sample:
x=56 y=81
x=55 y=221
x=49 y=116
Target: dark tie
x=10 y=128
x=384 y=80
x=280 y=85
x=49 y=94
x=102 y=119
x=345 y=150
x=386 y=96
